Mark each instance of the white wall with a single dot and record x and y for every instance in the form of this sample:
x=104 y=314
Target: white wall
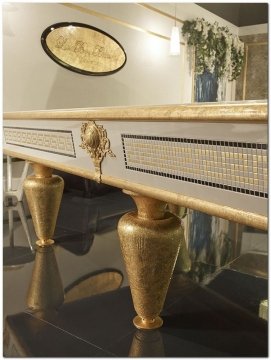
x=253 y=29
x=32 y=81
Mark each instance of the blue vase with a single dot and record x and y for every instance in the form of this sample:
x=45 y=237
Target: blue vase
x=206 y=87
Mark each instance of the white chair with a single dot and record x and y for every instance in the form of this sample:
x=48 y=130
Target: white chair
x=13 y=201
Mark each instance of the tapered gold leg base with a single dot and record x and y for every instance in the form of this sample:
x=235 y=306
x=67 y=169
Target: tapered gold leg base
x=43 y=243
x=147 y=324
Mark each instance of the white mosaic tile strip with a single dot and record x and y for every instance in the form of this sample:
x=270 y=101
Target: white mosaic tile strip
x=53 y=141
x=235 y=166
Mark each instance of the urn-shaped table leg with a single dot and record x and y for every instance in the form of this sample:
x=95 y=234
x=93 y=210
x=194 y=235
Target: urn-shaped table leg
x=150 y=241
x=43 y=193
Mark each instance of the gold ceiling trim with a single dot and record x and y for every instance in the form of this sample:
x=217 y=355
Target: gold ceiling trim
x=115 y=20
x=152 y=8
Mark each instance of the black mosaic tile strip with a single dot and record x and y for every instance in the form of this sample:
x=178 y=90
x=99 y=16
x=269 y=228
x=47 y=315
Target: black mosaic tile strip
x=198 y=141
x=201 y=182
x=39 y=149
x=196 y=181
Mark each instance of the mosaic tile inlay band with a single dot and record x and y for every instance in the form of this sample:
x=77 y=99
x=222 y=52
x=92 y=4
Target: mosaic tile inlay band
x=235 y=166
x=54 y=141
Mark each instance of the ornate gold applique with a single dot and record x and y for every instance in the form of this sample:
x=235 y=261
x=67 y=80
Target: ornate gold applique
x=95 y=142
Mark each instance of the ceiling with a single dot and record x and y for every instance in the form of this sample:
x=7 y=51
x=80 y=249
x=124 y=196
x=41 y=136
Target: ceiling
x=239 y=14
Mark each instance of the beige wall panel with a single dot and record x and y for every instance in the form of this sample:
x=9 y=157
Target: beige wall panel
x=253 y=81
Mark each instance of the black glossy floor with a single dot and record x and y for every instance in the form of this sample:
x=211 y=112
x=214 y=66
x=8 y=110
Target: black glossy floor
x=96 y=318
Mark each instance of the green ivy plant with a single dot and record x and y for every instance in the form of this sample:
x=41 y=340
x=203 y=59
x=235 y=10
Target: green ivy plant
x=216 y=49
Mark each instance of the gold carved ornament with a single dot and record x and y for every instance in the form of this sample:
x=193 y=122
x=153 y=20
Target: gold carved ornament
x=95 y=142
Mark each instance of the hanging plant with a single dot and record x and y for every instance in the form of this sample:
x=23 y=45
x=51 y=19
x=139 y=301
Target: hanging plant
x=217 y=50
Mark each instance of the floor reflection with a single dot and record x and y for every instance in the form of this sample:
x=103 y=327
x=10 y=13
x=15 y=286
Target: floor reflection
x=95 y=319
x=45 y=291
x=147 y=343
x=94 y=283
x=253 y=264
x=14 y=255
x=86 y=246
x=197 y=323
x=215 y=244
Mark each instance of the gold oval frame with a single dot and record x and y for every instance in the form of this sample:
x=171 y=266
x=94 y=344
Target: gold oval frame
x=83 y=48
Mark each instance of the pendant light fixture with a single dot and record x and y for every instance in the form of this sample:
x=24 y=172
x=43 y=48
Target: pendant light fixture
x=175 y=39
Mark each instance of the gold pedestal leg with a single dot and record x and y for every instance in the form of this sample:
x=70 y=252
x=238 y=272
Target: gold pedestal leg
x=43 y=192
x=150 y=241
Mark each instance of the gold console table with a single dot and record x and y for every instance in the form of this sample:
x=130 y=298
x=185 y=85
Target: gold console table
x=207 y=157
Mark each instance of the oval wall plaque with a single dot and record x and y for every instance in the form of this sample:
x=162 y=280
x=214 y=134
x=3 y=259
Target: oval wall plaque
x=83 y=48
